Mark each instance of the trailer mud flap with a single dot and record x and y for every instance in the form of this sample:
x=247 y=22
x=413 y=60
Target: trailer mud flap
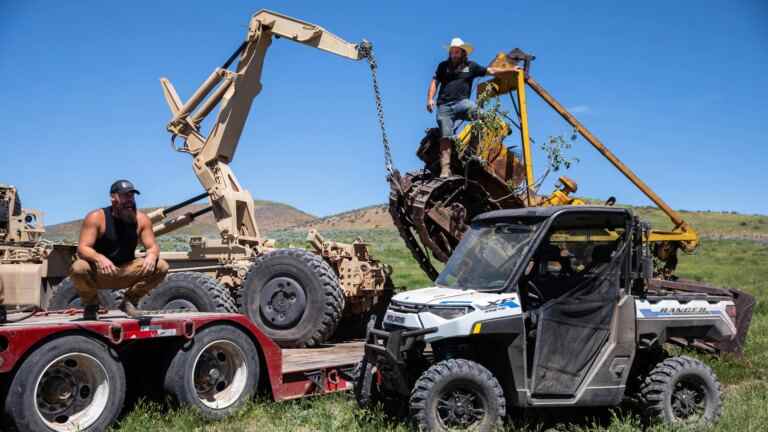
x=745 y=303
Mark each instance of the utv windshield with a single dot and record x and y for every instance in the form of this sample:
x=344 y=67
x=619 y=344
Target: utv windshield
x=486 y=256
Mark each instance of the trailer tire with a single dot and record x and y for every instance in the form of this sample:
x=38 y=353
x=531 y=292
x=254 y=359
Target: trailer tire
x=439 y=397
x=677 y=387
x=306 y=291
x=64 y=296
x=189 y=291
x=222 y=353
x=72 y=371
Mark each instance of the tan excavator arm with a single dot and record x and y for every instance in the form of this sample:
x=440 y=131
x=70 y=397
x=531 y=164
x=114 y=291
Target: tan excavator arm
x=234 y=91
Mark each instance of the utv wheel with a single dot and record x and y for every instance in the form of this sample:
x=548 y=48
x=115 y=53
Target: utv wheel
x=682 y=390
x=457 y=394
x=72 y=383
x=189 y=291
x=293 y=296
x=217 y=373
x=65 y=296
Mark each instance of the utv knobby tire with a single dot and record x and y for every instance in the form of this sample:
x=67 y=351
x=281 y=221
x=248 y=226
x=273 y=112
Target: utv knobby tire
x=446 y=382
x=216 y=373
x=65 y=296
x=72 y=359
x=673 y=384
x=189 y=291
x=314 y=311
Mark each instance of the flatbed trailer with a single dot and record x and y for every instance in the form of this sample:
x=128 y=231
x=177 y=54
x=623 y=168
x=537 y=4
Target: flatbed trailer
x=60 y=373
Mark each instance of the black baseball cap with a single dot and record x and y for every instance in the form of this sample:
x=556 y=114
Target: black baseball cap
x=123 y=186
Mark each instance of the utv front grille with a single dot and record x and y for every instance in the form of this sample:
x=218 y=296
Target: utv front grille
x=402 y=307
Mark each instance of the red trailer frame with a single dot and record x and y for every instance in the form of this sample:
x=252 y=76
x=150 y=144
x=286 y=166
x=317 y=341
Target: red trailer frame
x=306 y=372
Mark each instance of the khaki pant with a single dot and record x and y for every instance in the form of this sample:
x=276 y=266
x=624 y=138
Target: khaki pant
x=87 y=280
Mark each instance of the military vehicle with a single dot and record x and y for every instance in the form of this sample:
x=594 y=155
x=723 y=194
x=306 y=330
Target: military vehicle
x=296 y=296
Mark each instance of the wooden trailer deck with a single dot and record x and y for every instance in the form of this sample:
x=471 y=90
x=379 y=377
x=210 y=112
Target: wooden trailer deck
x=330 y=355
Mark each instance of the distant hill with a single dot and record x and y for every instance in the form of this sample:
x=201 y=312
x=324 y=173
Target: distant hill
x=269 y=215
x=372 y=217
x=709 y=224
x=274 y=216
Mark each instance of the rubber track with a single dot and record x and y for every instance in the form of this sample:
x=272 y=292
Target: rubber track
x=404 y=229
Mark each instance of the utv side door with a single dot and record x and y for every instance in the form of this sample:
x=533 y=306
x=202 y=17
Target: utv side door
x=584 y=318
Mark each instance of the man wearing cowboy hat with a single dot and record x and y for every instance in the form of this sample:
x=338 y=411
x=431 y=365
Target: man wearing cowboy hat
x=455 y=76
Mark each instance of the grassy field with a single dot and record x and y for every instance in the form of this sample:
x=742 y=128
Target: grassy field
x=734 y=263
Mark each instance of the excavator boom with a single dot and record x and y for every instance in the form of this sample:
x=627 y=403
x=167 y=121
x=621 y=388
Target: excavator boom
x=682 y=232
x=233 y=92
x=489 y=176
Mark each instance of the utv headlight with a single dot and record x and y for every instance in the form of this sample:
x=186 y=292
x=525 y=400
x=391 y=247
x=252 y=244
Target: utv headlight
x=450 y=312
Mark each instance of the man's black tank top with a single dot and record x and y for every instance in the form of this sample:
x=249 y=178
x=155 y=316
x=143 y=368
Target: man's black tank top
x=119 y=241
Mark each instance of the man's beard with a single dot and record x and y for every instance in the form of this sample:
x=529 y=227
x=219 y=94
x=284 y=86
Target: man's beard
x=126 y=214
x=456 y=61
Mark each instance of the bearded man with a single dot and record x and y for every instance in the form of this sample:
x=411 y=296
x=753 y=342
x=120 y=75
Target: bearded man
x=106 y=253
x=454 y=78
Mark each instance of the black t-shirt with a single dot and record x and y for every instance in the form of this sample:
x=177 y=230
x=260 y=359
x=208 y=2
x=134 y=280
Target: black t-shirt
x=456 y=83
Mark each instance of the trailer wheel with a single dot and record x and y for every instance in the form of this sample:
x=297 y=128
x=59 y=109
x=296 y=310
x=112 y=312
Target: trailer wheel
x=189 y=291
x=457 y=394
x=682 y=390
x=65 y=296
x=217 y=373
x=72 y=383
x=293 y=296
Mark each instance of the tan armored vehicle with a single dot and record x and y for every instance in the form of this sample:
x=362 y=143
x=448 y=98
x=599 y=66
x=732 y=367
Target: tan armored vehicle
x=29 y=265
x=296 y=296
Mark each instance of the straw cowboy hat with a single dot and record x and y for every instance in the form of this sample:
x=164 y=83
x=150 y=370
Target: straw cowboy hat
x=457 y=42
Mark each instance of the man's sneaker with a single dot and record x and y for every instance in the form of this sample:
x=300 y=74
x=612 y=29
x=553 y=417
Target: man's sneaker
x=91 y=313
x=129 y=308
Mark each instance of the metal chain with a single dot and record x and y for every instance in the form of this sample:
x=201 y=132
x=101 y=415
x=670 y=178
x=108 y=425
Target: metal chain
x=366 y=50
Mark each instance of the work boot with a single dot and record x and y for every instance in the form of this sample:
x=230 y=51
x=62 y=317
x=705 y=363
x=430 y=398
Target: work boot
x=91 y=313
x=3 y=315
x=129 y=308
x=445 y=158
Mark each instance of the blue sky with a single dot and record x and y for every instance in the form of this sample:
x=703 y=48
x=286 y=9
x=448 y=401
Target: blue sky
x=677 y=90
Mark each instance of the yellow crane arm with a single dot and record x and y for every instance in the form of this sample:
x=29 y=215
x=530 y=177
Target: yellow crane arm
x=234 y=92
x=682 y=232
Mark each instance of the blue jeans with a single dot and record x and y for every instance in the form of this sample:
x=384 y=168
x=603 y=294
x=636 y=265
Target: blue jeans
x=451 y=114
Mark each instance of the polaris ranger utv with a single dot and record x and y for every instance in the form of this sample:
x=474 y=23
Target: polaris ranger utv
x=547 y=307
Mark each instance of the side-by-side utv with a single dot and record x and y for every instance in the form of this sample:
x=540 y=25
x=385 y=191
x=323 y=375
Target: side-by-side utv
x=548 y=307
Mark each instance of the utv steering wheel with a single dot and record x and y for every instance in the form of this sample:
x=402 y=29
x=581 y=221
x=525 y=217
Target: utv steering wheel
x=537 y=296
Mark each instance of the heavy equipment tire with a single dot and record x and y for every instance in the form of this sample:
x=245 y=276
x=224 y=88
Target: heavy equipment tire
x=189 y=291
x=457 y=394
x=216 y=373
x=682 y=390
x=65 y=296
x=293 y=296
x=69 y=383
